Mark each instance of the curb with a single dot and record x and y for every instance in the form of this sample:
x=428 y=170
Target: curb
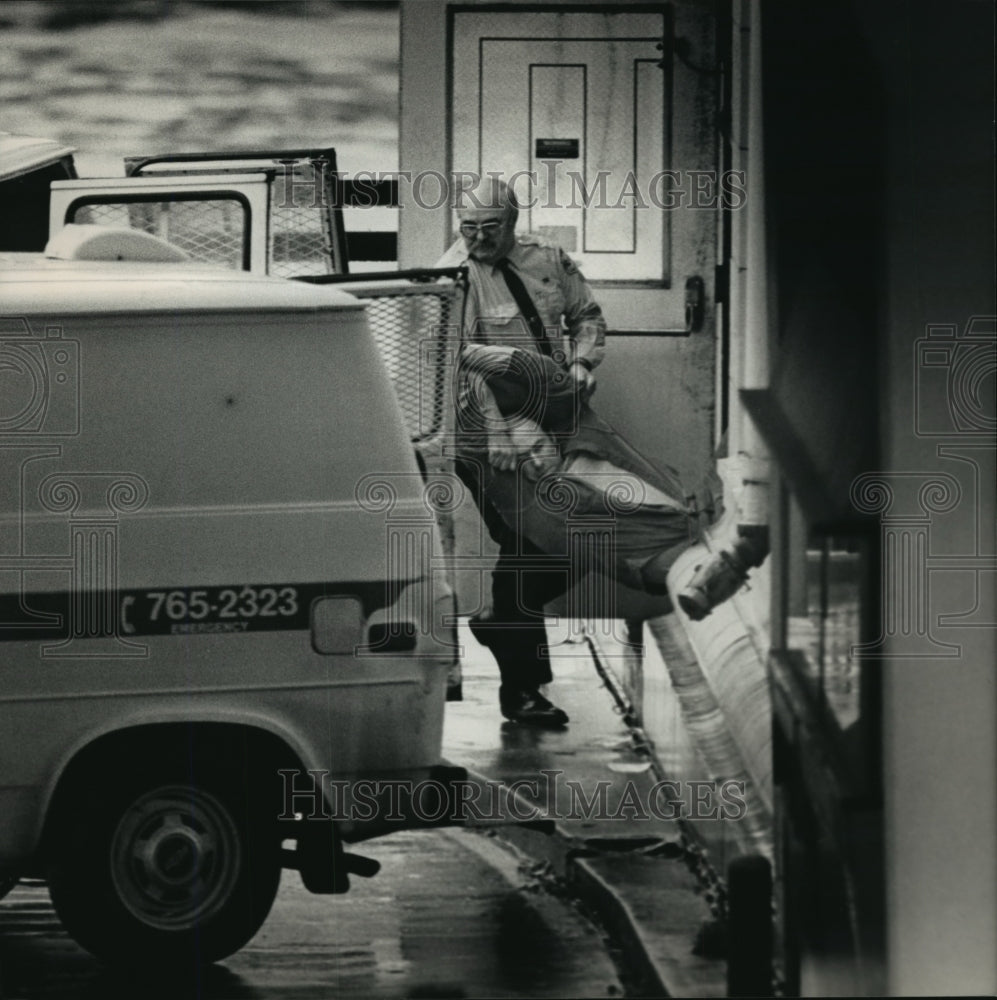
x=651 y=906
x=618 y=919
x=656 y=915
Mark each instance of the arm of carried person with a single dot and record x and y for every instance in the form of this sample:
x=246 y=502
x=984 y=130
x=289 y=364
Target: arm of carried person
x=503 y=452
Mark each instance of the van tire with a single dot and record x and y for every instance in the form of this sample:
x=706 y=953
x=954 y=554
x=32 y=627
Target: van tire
x=176 y=868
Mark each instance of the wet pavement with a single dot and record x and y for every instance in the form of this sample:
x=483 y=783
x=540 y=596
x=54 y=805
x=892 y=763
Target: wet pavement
x=590 y=777
x=618 y=845
x=451 y=914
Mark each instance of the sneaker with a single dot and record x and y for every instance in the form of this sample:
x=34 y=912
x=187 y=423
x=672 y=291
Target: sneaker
x=712 y=584
x=533 y=709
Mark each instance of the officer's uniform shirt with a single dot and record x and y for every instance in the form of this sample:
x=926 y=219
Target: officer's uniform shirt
x=561 y=295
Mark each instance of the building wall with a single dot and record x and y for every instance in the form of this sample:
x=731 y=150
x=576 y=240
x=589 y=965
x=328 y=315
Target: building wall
x=940 y=714
x=917 y=260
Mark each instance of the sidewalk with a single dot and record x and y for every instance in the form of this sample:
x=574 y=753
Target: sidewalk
x=614 y=843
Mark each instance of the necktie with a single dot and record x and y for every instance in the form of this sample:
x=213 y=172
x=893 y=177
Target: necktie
x=526 y=306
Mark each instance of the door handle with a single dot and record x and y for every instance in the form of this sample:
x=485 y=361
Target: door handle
x=695 y=295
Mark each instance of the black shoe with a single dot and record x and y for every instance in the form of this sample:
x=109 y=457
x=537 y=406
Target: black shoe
x=533 y=709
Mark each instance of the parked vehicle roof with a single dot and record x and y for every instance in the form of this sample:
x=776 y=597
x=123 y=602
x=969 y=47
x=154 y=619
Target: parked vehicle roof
x=20 y=154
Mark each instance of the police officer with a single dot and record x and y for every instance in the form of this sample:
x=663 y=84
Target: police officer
x=526 y=293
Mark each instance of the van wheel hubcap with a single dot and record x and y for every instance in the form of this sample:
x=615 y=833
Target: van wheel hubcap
x=175 y=857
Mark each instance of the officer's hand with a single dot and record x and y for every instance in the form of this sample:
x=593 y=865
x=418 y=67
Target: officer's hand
x=583 y=378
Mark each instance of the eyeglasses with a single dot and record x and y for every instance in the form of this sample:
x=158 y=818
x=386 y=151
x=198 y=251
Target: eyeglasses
x=471 y=229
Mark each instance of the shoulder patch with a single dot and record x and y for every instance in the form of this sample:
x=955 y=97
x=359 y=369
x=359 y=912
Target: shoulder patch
x=529 y=240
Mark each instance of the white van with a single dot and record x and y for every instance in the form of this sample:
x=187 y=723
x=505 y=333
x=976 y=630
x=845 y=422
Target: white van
x=209 y=602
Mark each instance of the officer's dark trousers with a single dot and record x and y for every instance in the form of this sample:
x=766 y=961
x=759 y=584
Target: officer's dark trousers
x=523 y=581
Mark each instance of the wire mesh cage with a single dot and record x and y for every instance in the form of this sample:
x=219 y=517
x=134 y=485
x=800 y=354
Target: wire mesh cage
x=300 y=234
x=414 y=327
x=211 y=231
x=303 y=237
